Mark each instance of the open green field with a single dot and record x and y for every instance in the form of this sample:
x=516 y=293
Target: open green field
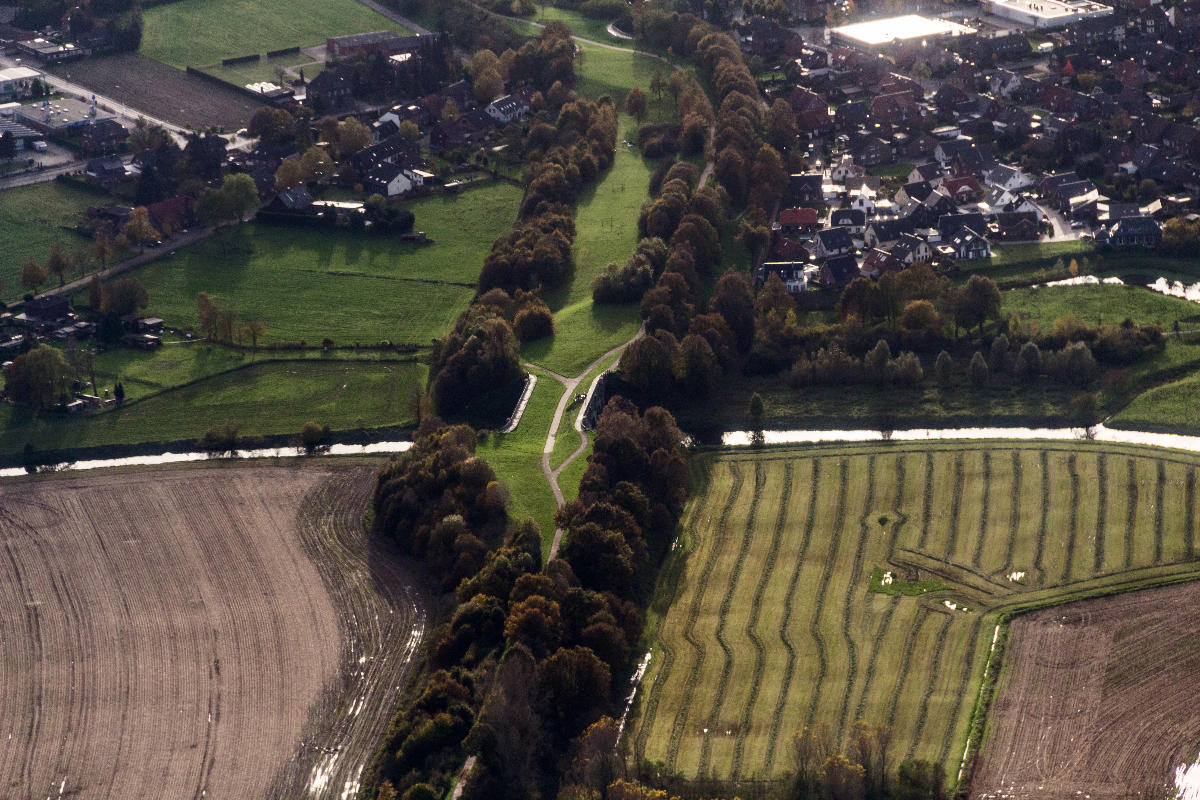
x=308 y=284
x=31 y=219
x=1104 y=304
x=766 y=622
x=196 y=32
x=261 y=398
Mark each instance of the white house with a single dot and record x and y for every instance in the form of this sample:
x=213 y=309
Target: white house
x=1011 y=178
x=863 y=199
x=845 y=169
x=392 y=180
x=17 y=81
x=506 y=109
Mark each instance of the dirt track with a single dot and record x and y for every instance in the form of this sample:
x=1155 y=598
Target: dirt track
x=1098 y=700
x=168 y=634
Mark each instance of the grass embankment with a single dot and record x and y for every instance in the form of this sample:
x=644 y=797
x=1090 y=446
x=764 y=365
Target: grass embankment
x=517 y=459
x=34 y=217
x=197 y=32
x=1094 y=305
x=606 y=231
x=307 y=285
x=1036 y=262
x=261 y=399
x=735 y=674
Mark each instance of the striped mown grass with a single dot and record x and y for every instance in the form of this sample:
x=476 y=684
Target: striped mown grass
x=770 y=625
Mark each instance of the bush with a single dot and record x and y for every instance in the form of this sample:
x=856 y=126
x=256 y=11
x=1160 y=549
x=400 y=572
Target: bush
x=978 y=369
x=312 y=436
x=905 y=370
x=943 y=367
x=1029 y=360
x=533 y=323
x=221 y=439
x=623 y=284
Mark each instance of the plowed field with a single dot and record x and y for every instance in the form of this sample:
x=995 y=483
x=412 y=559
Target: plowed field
x=219 y=632
x=1098 y=699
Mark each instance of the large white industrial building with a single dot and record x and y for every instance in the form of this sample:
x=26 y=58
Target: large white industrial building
x=1045 y=13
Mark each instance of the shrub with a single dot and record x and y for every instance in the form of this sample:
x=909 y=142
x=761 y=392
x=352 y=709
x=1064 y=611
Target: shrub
x=1029 y=360
x=943 y=367
x=978 y=369
x=220 y=439
x=533 y=323
x=313 y=435
x=906 y=370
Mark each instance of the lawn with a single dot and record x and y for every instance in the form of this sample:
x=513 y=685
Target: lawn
x=1171 y=406
x=262 y=399
x=307 y=285
x=198 y=32
x=517 y=459
x=34 y=217
x=1100 y=304
x=766 y=622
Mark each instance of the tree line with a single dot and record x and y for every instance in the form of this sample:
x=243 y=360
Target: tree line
x=568 y=146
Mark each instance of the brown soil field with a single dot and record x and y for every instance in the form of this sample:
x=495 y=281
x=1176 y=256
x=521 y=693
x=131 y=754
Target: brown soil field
x=163 y=92
x=226 y=631
x=1097 y=700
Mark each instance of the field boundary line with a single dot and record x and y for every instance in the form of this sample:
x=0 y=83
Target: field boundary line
x=1159 y=490
x=1045 y=520
x=931 y=682
x=1073 y=519
x=1189 y=523
x=790 y=665
x=927 y=501
x=1131 y=515
x=1014 y=509
x=851 y=588
x=1101 y=512
x=723 y=615
x=955 y=507
x=752 y=624
x=981 y=534
x=826 y=575
x=906 y=662
x=689 y=628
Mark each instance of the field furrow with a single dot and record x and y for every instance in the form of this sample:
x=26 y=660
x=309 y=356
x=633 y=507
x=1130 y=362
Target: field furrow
x=814 y=626
x=1101 y=512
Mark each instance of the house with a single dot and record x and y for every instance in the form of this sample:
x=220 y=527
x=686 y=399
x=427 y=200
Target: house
x=794 y=274
x=910 y=249
x=506 y=109
x=1002 y=201
x=950 y=224
x=877 y=261
x=931 y=173
x=963 y=190
x=871 y=151
x=832 y=242
x=914 y=192
x=391 y=180
x=1017 y=226
x=863 y=200
x=785 y=249
x=1135 y=232
x=837 y=271
x=845 y=168
x=897 y=107
x=798 y=220
x=967 y=245
x=853 y=219
x=103 y=136
x=105 y=170
x=171 y=215
x=1006 y=177
x=331 y=91
x=293 y=202
x=881 y=232
x=48 y=311
x=392 y=150
x=805 y=188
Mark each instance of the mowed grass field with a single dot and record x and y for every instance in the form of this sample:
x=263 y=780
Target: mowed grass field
x=766 y=622
x=34 y=217
x=307 y=285
x=260 y=399
x=199 y=32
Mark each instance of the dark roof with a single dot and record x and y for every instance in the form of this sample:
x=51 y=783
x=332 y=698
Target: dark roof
x=918 y=191
x=847 y=216
x=297 y=198
x=891 y=229
x=835 y=238
x=1136 y=226
x=951 y=224
x=840 y=269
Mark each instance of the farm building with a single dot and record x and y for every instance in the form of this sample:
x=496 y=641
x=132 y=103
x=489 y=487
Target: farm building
x=878 y=34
